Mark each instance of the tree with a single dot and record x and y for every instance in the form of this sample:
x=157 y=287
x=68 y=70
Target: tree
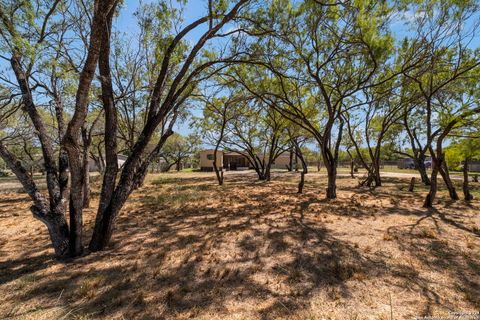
x=29 y=39
x=176 y=149
x=316 y=58
x=28 y=45
x=439 y=82
x=462 y=152
x=217 y=113
x=256 y=131
x=178 y=75
x=378 y=115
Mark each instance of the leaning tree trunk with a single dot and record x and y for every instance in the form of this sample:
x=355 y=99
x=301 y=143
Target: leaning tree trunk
x=133 y=174
x=422 y=170
x=302 y=176
x=466 y=188
x=51 y=215
x=448 y=181
x=218 y=174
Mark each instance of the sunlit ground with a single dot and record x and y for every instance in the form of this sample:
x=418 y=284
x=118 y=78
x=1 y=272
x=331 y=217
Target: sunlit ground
x=185 y=247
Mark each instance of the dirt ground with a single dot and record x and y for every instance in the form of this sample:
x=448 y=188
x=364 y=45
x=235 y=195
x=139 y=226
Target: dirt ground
x=187 y=248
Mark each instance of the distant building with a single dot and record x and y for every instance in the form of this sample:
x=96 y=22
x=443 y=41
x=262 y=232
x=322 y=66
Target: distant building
x=406 y=163
x=474 y=166
x=93 y=165
x=235 y=161
x=409 y=163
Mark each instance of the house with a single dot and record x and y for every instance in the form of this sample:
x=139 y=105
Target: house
x=474 y=166
x=409 y=163
x=235 y=161
x=94 y=165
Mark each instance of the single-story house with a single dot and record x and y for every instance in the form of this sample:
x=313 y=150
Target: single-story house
x=474 y=166
x=408 y=163
x=235 y=161
x=94 y=167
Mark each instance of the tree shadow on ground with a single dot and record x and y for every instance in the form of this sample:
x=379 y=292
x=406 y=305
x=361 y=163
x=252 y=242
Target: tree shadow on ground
x=258 y=247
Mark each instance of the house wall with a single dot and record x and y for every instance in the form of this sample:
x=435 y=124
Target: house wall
x=282 y=161
x=206 y=164
x=474 y=166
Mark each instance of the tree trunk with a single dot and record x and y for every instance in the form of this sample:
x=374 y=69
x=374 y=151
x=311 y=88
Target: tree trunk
x=331 y=183
x=302 y=175
x=352 y=164
x=377 y=177
x=433 y=190
x=420 y=164
x=215 y=166
x=87 y=140
x=296 y=162
x=299 y=155
x=436 y=163
x=331 y=166
x=290 y=161
x=412 y=185
x=63 y=172
x=52 y=216
x=267 y=172
x=129 y=179
x=448 y=181
x=86 y=184
x=302 y=182
x=466 y=188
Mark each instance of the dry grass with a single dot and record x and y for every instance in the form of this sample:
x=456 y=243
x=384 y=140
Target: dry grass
x=186 y=248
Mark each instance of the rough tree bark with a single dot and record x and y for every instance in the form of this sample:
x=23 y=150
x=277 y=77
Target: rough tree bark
x=72 y=136
x=53 y=218
x=444 y=172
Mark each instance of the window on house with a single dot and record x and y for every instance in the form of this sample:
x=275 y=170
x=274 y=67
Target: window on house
x=210 y=156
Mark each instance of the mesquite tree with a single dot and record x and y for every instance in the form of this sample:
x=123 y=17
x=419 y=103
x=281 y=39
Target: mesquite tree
x=445 y=31
x=257 y=132
x=218 y=111
x=33 y=32
x=465 y=149
x=176 y=149
x=318 y=56
x=29 y=41
x=373 y=118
